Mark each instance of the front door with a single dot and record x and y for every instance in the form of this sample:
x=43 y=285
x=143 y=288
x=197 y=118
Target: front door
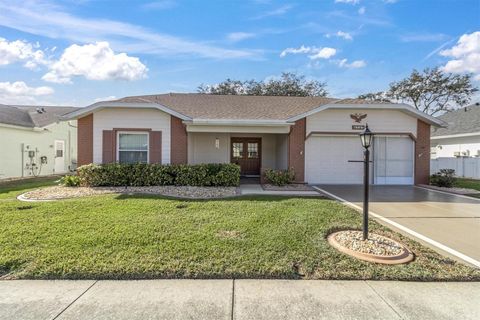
x=59 y=165
x=246 y=152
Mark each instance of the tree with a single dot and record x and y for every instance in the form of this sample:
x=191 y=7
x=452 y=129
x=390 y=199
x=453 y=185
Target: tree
x=375 y=96
x=289 y=84
x=431 y=91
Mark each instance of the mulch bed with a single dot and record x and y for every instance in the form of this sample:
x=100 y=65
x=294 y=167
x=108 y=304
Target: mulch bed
x=60 y=192
x=455 y=190
x=288 y=187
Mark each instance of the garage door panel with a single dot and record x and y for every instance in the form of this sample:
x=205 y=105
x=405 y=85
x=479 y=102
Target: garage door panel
x=327 y=160
x=393 y=160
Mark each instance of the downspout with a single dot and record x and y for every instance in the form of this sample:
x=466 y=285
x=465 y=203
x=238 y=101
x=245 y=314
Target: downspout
x=23 y=158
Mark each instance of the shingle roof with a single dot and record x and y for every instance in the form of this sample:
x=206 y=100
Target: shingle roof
x=207 y=106
x=464 y=120
x=198 y=107
x=28 y=116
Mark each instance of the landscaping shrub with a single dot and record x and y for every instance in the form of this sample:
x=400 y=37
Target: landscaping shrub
x=279 y=177
x=142 y=174
x=443 y=178
x=70 y=181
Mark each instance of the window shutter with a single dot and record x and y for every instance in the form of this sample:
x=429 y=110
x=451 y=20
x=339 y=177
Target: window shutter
x=155 y=147
x=108 y=155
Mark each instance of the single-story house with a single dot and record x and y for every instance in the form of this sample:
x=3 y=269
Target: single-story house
x=316 y=137
x=34 y=141
x=462 y=136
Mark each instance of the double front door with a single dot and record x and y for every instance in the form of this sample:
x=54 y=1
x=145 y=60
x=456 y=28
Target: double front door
x=247 y=153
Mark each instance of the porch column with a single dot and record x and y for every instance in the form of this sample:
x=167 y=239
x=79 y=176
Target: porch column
x=296 y=149
x=179 y=141
x=422 y=153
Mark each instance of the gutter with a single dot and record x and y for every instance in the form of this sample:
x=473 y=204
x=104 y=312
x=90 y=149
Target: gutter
x=237 y=122
x=460 y=135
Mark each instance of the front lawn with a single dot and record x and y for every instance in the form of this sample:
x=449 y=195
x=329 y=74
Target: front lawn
x=469 y=184
x=133 y=237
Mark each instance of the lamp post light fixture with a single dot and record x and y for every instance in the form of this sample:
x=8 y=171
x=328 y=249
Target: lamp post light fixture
x=366 y=138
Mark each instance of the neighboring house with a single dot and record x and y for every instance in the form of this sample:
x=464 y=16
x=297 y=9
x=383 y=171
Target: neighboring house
x=462 y=136
x=316 y=137
x=33 y=141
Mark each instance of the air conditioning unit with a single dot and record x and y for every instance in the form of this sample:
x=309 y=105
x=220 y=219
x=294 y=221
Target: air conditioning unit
x=478 y=153
x=466 y=153
x=457 y=154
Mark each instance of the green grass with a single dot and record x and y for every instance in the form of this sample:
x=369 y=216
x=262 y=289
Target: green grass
x=137 y=237
x=468 y=183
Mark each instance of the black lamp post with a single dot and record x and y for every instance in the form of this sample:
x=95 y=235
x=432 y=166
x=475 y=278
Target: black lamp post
x=366 y=139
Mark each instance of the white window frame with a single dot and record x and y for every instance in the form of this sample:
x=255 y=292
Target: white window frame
x=133 y=132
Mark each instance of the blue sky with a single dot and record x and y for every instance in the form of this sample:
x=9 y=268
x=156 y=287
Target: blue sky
x=75 y=52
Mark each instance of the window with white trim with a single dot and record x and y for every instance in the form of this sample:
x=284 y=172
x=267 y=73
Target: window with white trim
x=132 y=147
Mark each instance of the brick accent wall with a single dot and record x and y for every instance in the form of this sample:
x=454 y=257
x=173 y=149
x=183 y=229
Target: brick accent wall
x=422 y=153
x=179 y=141
x=296 y=149
x=85 y=140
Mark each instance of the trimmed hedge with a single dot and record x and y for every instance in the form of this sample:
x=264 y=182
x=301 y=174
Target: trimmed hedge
x=142 y=174
x=443 y=178
x=279 y=177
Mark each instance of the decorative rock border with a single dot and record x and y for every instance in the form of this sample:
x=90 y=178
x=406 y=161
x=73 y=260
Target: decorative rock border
x=404 y=256
x=181 y=192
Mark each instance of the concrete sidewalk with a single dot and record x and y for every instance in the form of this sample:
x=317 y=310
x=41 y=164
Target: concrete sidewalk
x=239 y=299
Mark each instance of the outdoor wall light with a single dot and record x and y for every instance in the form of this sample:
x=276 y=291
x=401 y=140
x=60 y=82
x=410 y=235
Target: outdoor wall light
x=217 y=143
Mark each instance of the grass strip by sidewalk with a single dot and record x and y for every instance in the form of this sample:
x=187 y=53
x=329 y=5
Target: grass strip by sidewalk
x=139 y=237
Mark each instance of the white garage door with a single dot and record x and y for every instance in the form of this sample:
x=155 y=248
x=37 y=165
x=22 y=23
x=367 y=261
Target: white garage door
x=327 y=160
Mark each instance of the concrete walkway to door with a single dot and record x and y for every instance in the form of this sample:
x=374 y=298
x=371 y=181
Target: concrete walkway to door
x=434 y=217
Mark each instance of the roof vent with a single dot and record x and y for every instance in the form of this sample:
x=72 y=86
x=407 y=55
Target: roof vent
x=39 y=110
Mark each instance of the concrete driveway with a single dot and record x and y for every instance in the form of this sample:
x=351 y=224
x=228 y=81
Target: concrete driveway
x=445 y=222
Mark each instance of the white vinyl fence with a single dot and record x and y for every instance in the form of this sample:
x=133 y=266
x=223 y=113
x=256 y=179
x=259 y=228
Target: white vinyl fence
x=464 y=167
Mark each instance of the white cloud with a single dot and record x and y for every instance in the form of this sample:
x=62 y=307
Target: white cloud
x=108 y=98
x=390 y=1
x=95 y=62
x=20 y=93
x=239 y=36
x=21 y=51
x=348 y=1
x=465 y=54
x=302 y=49
x=324 y=53
x=423 y=37
x=353 y=65
x=362 y=10
x=340 y=34
x=51 y=20
x=275 y=12
x=159 y=5
x=316 y=53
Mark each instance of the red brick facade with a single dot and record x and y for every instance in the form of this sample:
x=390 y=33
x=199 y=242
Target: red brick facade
x=296 y=149
x=85 y=140
x=179 y=141
x=422 y=153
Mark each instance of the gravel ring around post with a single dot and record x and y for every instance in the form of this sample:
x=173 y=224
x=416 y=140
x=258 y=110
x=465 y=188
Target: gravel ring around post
x=377 y=248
